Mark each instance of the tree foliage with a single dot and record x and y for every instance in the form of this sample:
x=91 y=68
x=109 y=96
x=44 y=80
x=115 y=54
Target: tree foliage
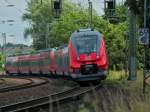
x=39 y=16
x=1 y=61
x=133 y=5
x=137 y=7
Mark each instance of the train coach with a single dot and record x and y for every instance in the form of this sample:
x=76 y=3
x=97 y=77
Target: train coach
x=84 y=58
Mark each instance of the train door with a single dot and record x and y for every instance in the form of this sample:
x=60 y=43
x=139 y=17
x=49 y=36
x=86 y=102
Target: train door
x=65 y=60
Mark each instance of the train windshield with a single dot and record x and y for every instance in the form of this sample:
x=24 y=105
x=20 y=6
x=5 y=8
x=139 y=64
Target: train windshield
x=86 y=44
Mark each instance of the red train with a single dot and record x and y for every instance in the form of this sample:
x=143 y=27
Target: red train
x=83 y=59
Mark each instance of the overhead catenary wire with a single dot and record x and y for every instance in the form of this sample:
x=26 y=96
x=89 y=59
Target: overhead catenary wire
x=12 y=25
x=9 y=3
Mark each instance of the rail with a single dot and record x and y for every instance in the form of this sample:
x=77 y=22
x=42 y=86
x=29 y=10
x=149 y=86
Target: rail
x=29 y=84
x=67 y=95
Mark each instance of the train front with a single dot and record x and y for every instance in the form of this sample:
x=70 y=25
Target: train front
x=87 y=55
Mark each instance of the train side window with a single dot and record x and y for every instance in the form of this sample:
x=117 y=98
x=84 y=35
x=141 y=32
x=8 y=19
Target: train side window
x=57 y=58
x=8 y=63
x=22 y=63
x=47 y=60
x=16 y=64
x=13 y=64
x=65 y=52
x=19 y=64
x=26 y=63
x=32 y=63
x=41 y=62
x=35 y=63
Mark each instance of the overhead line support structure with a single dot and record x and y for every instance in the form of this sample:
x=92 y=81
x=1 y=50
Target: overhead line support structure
x=132 y=46
x=90 y=13
x=4 y=47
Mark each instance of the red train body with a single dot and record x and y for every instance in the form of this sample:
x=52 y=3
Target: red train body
x=83 y=59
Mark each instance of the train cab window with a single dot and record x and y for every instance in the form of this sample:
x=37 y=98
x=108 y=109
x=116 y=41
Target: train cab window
x=86 y=44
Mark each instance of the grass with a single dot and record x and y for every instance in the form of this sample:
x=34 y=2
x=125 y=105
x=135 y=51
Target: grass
x=116 y=75
x=118 y=95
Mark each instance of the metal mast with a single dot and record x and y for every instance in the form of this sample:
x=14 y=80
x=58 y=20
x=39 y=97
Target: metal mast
x=90 y=13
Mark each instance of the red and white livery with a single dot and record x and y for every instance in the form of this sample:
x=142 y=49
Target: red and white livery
x=83 y=59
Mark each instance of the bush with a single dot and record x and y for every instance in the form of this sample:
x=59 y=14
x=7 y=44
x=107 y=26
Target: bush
x=1 y=62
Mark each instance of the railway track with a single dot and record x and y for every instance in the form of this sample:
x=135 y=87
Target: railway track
x=1 y=81
x=28 y=82
x=61 y=97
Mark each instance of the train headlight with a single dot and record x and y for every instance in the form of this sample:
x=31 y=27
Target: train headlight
x=97 y=57
x=78 y=58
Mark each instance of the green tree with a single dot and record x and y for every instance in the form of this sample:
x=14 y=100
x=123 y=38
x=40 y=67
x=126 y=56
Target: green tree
x=39 y=16
x=133 y=5
x=1 y=62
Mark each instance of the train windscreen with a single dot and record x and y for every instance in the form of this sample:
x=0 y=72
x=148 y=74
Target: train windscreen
x=86 y=44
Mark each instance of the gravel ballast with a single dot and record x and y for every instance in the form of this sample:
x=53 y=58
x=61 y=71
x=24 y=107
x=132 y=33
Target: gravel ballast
x=53 y=86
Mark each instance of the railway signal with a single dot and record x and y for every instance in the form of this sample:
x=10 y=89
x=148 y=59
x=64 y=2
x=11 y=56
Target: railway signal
x=57 y=5
x=110 y=10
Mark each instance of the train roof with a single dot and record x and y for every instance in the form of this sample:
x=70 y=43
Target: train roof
x=88 y=31
x=34 y=53
x=19 y=54
x=45 y=50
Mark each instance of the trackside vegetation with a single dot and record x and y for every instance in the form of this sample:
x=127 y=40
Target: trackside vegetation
x=1 y=61
x=118 y=95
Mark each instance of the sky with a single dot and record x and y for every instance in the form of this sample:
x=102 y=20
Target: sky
x=15 y=13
